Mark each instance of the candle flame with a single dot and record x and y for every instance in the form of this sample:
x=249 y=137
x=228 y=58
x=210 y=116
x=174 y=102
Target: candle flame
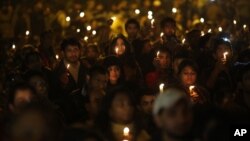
x=68 y=66
x=137 y=11
x=161 y=87
x=225 y=55
x=191 y=88
x=126 y=131
x=162 y=34
x=68 y=18
x=13 y=46
x=27 y=32
x=82 y=14
x=174 y=10
x=57 y=56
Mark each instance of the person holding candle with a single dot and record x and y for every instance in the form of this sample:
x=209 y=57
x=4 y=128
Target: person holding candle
x=118 y=110
x=163 y=71
x=217 y=75
x=120 y=47
x=168 y=38
x=188 y=78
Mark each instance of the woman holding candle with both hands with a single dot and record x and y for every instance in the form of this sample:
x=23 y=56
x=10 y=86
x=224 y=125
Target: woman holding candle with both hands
x=188 y=78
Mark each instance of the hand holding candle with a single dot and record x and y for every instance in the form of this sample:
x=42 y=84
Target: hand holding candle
x=68 y=65
x=192 y=92
x=224 y=60
x=126 y=134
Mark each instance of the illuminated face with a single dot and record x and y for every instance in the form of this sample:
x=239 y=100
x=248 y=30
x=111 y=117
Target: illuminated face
x=132 y=31
x=72 y=53
x=120 y=47
x=219 y=55
x=121 y=110
x=114 y=73
x=188 y=76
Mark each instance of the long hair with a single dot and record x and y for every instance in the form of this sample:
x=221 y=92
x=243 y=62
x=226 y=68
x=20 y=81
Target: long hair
x=103 y=120
x=128 y=49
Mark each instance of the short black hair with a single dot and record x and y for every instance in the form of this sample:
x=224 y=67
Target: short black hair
x=70 y=41
x=188 y=62
x=97 y=70
x=166 y=21
x=19 y=86
x=132 y=21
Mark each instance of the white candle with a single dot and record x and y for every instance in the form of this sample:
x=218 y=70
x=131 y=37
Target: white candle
x=117 y=50
x=93 y=32
x=152 y=23
x=82 y=14
x=225 y=55
x=126 y=132
x=68 y=19
x=157 y=54
x=137 y=11
x=220 y=29
x=57 y=57
x=88 y=27
x=235 y=22
x=174 y=10
x=202 y=20
x=78 y=30
x=161 y=87
x=27 y=33
x=13 y=46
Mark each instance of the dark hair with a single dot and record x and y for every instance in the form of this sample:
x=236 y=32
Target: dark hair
x=19 y=86
x=132 y=21
x=189 y=63
x=112 y=61
x=126 y=43
x=32 y=57
x=221 y=41
x=168 y=20
x=70 y=41
x=183 y=53
x=97 y=70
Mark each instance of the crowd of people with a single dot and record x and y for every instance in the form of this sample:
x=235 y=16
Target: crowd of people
x=133 y=87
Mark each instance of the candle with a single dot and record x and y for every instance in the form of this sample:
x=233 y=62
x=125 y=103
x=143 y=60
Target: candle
x=161 y=87
x=174 y=10
x=137 y=11
x=157 y=54
x=162 y=34
x=86 y=38
x=68 y=19
x=225 y=56
x=82 y=14
x=152 y=23
x=68 y=65
x=27 y=33
x=183 y=41
x=13 y=46
x=192 y=92
x=150 y=17
x=244 y=26
x=220 y=29
x=88 y=27
x=57 y=57
x=209 y=30
x=202 y=20
x=202 y=33
x=126 y=134
x=78 y=30
x=117 y=50
x=93 y=32
x=235 y=22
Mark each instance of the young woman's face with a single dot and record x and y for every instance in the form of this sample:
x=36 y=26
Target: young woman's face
x=119 y=47
x=114 y=73
x=221 y=50
x=188 y=76
x=121 y=110
x=164 y=59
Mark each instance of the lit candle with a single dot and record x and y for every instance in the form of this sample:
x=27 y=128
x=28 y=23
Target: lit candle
x=78 y=30
x=150 y=17
x=202 y=20
x=162 y=34
x=152 y=23
x=13 y=46
x=57 y=57
x=27 y=33
x=161 y=87
x=225 y=56
x=183 y=41
x=157 y=54
x=126 y=134
x=86 y=38
x=88 y=27
x=82 y=14
x=192 y=92
x=209 y=30
x=137 y=11
x=93 y=32
x=68 y=19
x=220 y=29
x=202 y=33
x=174 y=10
x=244 y=26
x=235 y=22
x=68 y=65
x=117 y=50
